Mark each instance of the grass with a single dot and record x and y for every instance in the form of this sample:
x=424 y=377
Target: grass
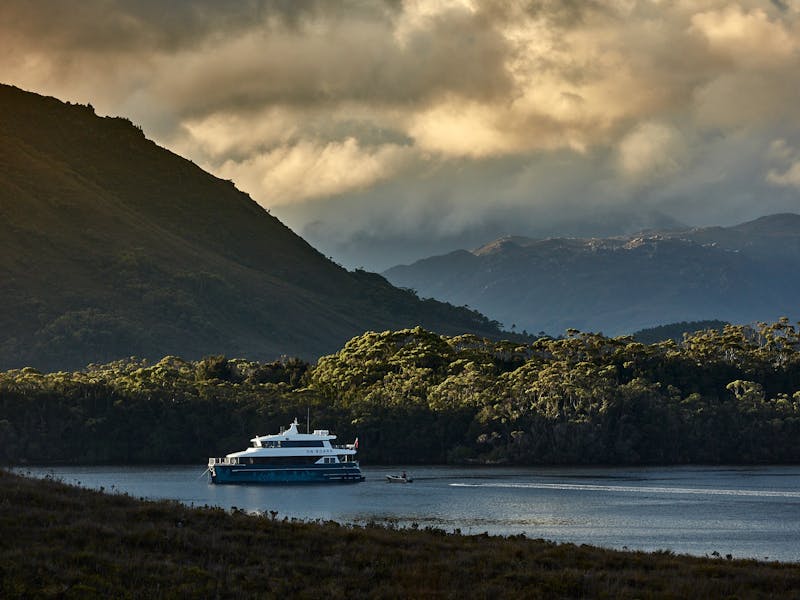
x=67 y=542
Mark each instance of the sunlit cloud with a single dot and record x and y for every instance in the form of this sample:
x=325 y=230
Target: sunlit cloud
x=458 y=113
x=312 y=169
x=650 y=151
x=789 y=177
x=748 y=37
x=788 y=159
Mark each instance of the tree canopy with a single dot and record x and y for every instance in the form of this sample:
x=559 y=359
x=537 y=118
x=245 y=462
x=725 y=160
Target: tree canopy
x=412 y=396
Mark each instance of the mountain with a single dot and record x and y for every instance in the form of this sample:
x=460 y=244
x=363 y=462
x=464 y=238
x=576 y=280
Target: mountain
x=112 y=246
x=380 y=247
x=622 y=284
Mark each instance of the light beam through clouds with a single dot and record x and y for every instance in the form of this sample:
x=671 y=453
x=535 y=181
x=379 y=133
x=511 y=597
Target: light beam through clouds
x=386 y=131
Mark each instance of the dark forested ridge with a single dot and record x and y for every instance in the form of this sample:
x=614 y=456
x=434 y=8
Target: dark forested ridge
x=730 y=396
x=675 y=331
x=111 y=246
x=619 y=285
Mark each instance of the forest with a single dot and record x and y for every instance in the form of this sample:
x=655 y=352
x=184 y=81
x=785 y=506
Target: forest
x=729 y=396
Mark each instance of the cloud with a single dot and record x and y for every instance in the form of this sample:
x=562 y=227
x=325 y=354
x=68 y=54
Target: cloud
x=435 y=117
x=749 y=38
x=651 y=151
x=312 y=169
x=789 y=177
x=788 y=159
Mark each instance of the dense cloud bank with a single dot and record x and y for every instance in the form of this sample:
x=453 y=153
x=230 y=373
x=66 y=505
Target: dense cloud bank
x=369 y=127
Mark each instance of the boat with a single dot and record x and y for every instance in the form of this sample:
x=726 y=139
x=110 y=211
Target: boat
x=289 y=457
x=399 y=478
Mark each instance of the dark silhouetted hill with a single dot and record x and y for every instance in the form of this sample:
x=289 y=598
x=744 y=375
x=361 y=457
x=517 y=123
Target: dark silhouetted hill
x=675 y=331
x=112 y=246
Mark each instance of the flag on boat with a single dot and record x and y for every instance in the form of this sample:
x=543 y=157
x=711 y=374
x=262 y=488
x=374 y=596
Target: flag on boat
x=355 y=444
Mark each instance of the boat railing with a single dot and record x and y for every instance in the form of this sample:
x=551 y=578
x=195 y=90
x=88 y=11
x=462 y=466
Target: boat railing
x=225 y=460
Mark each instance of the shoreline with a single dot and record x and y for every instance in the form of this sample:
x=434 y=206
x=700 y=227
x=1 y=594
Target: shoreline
x=64 y=539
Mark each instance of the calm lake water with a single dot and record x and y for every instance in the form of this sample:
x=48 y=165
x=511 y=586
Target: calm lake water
x=743 y=511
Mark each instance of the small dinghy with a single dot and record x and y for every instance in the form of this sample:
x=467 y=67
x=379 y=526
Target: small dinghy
x=399 y=478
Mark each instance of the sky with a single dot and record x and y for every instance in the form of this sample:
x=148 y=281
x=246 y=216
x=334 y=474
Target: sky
x=386 y=132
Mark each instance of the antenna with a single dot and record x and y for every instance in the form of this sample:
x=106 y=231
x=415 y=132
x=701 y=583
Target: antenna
x=308 y=419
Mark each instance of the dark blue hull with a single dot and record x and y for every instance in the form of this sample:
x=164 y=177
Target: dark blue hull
x=265 y=474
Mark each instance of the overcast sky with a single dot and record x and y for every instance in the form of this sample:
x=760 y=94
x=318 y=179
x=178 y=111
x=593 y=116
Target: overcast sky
x=386 y=132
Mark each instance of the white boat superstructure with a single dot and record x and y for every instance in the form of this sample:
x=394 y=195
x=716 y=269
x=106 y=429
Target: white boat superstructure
x=289 y=457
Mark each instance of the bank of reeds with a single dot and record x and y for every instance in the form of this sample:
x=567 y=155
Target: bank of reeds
x=63 y=541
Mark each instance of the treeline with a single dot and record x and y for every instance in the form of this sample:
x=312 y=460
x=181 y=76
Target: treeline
x=411 y=396
x=129 y=411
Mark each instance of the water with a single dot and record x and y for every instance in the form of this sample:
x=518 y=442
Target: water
x=748 y=512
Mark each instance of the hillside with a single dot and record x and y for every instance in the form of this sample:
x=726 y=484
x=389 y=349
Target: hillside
x=676 y=332
x=623 y=284
x=112 y=246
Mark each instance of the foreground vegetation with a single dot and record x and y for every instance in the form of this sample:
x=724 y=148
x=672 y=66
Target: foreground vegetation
x=67 y=542
x=729 y=396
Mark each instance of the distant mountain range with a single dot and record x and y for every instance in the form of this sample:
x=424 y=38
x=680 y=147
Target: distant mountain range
x=112 y=246
x=618 y=285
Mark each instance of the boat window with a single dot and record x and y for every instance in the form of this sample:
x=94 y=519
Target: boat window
x=284 y=460
x=292 y=444
x=301 y=444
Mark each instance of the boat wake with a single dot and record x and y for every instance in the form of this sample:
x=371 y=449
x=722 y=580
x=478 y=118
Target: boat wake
x=635 y=489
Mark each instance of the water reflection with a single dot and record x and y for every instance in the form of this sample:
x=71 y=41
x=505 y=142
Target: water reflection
x=747 y=512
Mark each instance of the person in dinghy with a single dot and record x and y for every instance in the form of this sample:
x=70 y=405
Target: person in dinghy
x=403 y=478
